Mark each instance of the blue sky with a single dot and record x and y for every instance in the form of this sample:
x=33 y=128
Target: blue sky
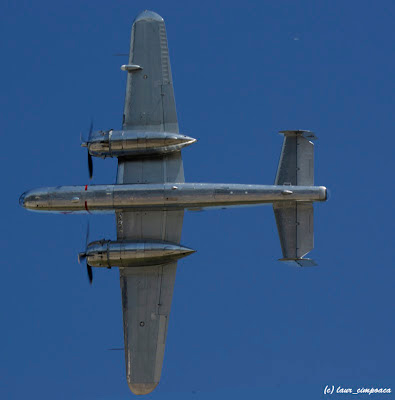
x=242 y=324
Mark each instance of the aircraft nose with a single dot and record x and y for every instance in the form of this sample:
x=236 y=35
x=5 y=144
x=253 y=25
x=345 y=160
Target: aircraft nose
x=37 y=199
x=22 y=199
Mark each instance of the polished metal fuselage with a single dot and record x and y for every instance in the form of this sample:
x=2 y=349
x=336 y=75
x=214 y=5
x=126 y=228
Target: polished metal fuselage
x=104 y=198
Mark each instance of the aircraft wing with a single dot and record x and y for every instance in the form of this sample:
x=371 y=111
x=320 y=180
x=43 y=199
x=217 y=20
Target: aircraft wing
x=147 y=291
x=149 y=101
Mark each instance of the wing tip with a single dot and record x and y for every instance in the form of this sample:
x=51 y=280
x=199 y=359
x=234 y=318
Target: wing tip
x=142 y=388
x=148 y=15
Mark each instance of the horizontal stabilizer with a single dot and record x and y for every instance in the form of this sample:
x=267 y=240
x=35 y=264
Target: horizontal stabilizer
x=295 y=224
x=296 y=166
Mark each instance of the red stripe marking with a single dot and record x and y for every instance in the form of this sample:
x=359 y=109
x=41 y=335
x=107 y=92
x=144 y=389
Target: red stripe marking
x=86 y=206
x=86 y=203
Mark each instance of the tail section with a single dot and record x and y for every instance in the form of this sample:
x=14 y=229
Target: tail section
x=295 y=220
x=296 y=166
x=295 y=224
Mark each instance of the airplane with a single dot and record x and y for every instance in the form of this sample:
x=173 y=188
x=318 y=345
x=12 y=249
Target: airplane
x=150 y=197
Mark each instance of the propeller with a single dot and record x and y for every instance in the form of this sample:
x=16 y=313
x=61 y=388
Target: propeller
x=90 y=163
x=85 y=143
x=83 y=256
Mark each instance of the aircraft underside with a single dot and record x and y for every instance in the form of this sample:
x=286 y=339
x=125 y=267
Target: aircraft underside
x=150 y=196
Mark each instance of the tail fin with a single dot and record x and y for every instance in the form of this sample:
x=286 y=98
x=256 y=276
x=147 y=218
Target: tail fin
x=295 y=220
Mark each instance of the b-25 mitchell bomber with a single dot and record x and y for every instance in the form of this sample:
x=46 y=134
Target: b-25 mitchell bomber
x=150 y=196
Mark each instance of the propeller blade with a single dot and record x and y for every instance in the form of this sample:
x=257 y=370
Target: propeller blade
x=85 y=143
x=87 y=235
x=90 y=165
x=84 y=256
x=90 y=130
x=90 y=275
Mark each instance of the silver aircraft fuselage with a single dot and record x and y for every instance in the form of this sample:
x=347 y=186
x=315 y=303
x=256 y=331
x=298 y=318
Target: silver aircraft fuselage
x=107 y=198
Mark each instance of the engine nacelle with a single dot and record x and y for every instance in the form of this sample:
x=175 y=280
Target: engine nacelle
x=105 y=253
x=134 y=143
